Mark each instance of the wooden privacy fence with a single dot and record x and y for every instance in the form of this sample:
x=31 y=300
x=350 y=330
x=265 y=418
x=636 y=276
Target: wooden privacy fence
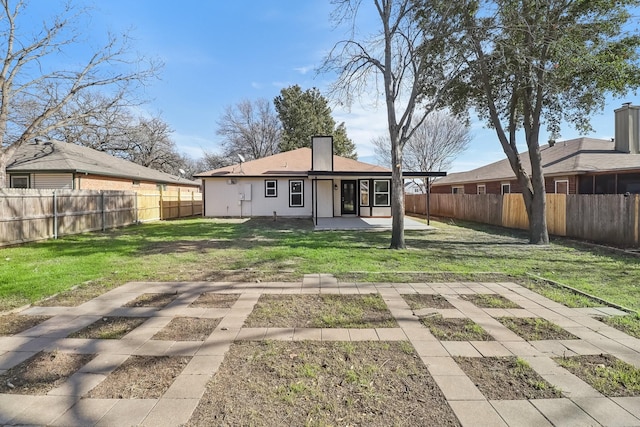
x=605 y=218
x=29 y=215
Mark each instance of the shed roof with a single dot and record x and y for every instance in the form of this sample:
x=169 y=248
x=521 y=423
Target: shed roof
x=56 y=156
x=290 y=163
x=571 y=157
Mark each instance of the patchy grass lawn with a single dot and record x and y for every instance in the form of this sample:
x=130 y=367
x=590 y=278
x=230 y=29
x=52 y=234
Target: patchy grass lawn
x=211 y=249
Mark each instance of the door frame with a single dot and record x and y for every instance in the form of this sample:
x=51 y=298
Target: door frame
x=354 y=183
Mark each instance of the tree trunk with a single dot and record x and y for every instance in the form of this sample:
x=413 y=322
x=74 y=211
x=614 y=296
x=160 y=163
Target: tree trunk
x=397 y=198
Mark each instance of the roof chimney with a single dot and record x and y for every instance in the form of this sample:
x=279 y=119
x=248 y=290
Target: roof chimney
x=627 y=136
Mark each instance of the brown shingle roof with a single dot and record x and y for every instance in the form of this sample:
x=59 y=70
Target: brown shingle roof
x=290 y=163
x=571 y=157
x=55 y=156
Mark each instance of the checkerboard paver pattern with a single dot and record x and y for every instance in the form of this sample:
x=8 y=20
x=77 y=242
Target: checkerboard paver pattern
x=65 y=405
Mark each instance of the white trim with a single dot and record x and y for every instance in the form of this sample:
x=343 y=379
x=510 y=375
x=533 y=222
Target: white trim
x=502 y=187
x=484 y=189
x=555 y=185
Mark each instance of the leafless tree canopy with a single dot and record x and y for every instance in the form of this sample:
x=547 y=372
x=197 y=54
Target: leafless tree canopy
x=250 y=128
x=432 y=147
x=33 y=91
x=393 y=64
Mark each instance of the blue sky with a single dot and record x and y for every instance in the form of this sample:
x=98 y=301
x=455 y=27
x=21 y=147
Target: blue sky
x=217 y=53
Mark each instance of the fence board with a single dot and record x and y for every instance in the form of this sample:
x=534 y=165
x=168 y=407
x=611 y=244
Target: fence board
x=29 y=215
x=613 y=218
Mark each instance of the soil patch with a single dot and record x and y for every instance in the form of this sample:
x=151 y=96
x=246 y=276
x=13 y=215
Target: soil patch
x=152 y=300
x=607 y=374
x=187 y=329
x=321 y=311
x=506 y=378
x=75 y=296
x=535 y=328
x=109 y=328
x=455 y=329
x=42 y=373
x=322 y=383
x=490 y=301
x=140 y=377
x=419 y=301
x=215 y=300
x=11 y=324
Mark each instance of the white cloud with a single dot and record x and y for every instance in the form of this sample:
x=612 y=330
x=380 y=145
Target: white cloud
x=256 y=85
x=304 y=70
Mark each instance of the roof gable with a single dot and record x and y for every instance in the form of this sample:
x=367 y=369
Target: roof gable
x=289 y=163
x=56 y=156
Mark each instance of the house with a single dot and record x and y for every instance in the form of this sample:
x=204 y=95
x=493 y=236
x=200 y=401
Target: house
x=307 y=182
x=59 y=165
x=576 y=166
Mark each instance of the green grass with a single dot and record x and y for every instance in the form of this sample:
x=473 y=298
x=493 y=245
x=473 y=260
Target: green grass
x=207 y=249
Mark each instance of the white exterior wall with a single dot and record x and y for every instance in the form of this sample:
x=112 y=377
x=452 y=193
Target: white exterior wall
x=223 y=198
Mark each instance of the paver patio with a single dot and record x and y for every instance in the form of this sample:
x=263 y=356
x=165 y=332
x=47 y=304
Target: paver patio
x=65 y=405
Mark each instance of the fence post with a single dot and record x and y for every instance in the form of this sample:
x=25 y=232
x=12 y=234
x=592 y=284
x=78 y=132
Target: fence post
x=135 y=208
x=55 y=215
x=161 y=207
x=104 y=220
x=179 y=203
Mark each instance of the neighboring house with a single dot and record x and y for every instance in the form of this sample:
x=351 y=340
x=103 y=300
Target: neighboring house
x=59 y=165
x=576 y=166
x=413 y=187
x=307 y=182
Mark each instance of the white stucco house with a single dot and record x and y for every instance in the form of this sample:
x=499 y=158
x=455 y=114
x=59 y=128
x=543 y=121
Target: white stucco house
x=307 y=182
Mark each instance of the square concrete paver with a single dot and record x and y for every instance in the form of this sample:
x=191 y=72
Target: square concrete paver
x=520 y=413
x=187 y=386
x=127 y=412
x=631 y=404
x=391 y=334
x=207 y=365
x=363 y=335
x=43 y=410
x=477 y=413
x=171 y=412
x=491 y=348
x=12 y=404
x=460 y=349
x=606 y=411
x=338 y=334
x=86 y=412
x=458 y=387
x=563 y=412
x=442 y=366
x=304 y=334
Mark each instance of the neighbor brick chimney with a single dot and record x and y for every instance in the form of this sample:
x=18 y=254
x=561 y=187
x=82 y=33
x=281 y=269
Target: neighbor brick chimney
x=627 y=136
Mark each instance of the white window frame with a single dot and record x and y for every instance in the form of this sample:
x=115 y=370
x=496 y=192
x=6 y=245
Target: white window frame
x=555 y=185
x=502 y=187
x=296 y=193
x=365 y=200
x=484 y=189
x=458 y=189
x=270 y=191
x=377 y=193
x=27 y=177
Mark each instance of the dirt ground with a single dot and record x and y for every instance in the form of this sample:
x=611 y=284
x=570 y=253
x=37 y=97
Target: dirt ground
x=11 y=324
x=322 y=383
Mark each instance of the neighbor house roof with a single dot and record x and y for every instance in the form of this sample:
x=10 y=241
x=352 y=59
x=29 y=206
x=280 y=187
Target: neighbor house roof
x=290 y=163
x=61 y=157
x=571 y=157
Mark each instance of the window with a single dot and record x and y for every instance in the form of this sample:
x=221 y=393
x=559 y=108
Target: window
x=482 y=189
x=161 y=187
x=296 y=194
x=457 y=190
x=506 y=188
x=271 y=188
x=364 y=193
x=136 y=183
x=381 y=193
x=562 y=186
x=19 y=181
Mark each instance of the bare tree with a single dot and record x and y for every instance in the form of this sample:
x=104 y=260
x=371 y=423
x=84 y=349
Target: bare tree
x=433 y=146
x=250 y=128
x=32 y=91
x=211 y=161
x=398 y=59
